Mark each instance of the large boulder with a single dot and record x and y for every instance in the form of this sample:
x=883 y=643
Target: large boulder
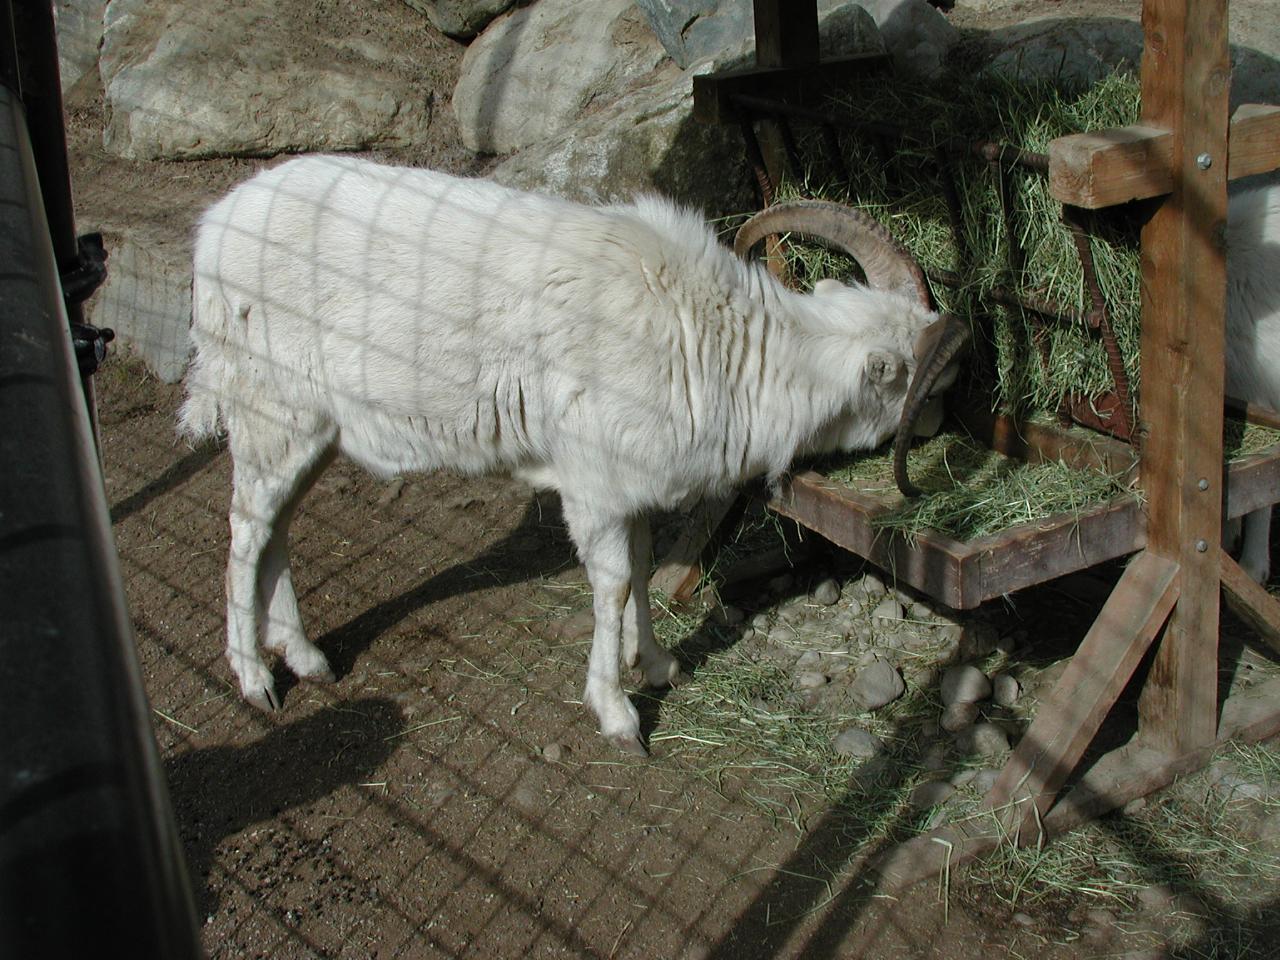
x=534 y=72
x=647 y=140
x=146 y=299
x=205 y=78
x=79 y=25
x=461 y=18
x=917 y=35
x=723 y=32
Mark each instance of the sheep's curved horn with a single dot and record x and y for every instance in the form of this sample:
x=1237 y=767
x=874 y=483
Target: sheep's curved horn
x=941 y=342
x=886 y=262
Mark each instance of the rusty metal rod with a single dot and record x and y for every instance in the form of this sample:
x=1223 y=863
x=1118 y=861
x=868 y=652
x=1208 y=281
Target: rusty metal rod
x=1001 y=153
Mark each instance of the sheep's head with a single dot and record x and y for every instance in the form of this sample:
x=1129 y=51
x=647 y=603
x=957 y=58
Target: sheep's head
x=888 y=267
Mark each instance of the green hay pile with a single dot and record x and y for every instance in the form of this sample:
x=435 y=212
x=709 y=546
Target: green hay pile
x=971 y=491
x=906 y=194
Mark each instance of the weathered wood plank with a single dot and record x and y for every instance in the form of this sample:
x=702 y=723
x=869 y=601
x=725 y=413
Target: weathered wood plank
x=1250 y=601
x=1184 y=90
x=680 y=571
x=1255 y=140
x=1253 y=482
x=713 y=93
x=1066 y=723
x=962 y=575
x=1043 y=442
x=1105 y=167
x=1108 y=167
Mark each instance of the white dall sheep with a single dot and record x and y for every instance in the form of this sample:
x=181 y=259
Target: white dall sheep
x=415 y=321
x=1253 y=334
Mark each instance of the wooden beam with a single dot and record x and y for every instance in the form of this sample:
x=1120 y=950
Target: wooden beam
x=1185 y=78
x=680 y=571
x=786 y=32
x=713 y=93
x=1066 y=723
x=1108 y=167
x=1250 y=601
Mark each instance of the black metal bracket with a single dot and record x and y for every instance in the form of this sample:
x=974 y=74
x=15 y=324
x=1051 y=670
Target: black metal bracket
x=78 y=284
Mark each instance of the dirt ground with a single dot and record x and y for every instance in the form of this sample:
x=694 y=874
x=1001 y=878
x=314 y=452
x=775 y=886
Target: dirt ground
x=448 y=796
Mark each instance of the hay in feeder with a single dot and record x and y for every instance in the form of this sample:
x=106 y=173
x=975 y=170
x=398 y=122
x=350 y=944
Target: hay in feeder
x=1036 y=363
x=970 y=491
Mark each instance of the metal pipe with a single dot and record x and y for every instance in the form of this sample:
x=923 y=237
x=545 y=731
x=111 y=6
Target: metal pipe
x=89 y=854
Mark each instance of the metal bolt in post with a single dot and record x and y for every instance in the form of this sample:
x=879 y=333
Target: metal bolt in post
x=1201 y=546
x=1204 y=161
x=1203 y=484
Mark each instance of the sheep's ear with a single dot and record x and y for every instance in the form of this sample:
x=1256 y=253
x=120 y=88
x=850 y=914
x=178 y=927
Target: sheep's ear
x=825 y=288
x=883 y=367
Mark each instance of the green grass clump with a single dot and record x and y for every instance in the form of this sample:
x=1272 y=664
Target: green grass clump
x=1035 y=365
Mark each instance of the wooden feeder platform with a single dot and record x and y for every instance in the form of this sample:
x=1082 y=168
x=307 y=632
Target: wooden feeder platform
x=963 y=574
x=1168 y=597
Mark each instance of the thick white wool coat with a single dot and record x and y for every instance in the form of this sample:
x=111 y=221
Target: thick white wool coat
x=416 y=321
x=438 y=322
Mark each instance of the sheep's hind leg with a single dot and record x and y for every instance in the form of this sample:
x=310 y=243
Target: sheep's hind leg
x=657 y=667
x=284 y=632
x=604 y=545
x=1255 y=550
x=263 y=498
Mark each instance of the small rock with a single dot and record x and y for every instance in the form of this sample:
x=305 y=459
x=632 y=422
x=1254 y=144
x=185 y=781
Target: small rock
x=810 y=679
x=930 y=793
x=877 y=684
x=984 y=780
x=948 y=638
x=887 y=609
x=979 y=640
x=1136 y=805
x=391 y=491
x=554 y=752
x=1005 y=690
x=748 y=634
x=856 y=742
x=934 y=760
x=809 y=660
x=919 y=611
x=984 y=739
x=957 y=716
x=1023 y=919
x=964 y=684
x=827 y=593
x=872 y=585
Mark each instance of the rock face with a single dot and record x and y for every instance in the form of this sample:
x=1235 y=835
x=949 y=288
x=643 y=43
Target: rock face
x=79 y=24
x=146 y=300
x=460 y=18
x=645 y=140
x=532 y=74
x=203 y=79
x=722 y=31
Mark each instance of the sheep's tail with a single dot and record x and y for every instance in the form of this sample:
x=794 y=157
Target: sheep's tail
x=202 y=414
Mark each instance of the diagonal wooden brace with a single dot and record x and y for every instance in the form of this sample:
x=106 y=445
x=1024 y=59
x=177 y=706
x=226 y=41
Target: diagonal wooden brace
x=1250 y=601
x=1066 y=724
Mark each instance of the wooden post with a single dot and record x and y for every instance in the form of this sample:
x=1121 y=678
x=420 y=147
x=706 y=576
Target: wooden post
x=1185 y=82
x=786 y=33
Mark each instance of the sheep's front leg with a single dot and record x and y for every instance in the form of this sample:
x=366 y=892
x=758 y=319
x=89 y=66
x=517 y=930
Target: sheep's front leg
x=604 y=545
x=639 y=649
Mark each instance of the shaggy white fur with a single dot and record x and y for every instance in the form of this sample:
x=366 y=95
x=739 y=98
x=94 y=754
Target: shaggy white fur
x=415 y=321
x=1253 y=335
